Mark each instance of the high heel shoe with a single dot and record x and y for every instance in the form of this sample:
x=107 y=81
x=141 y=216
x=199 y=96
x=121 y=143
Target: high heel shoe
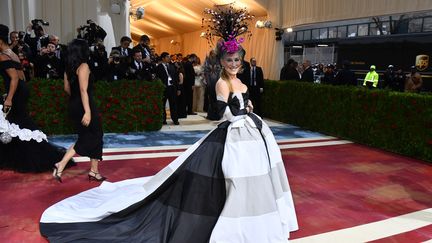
x=95 y=177
x=57 y=174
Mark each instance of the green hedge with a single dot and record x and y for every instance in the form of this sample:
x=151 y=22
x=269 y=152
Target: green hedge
x=398 y=122
x=125 y=106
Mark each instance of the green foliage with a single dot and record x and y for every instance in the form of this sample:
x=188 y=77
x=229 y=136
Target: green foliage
x=125 y=106
x=398 y=122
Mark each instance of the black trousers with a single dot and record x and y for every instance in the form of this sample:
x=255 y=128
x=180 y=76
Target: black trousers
x=170 y=94
x=188 y=91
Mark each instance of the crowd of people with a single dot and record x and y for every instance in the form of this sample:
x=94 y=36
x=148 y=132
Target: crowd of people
x=393 y=78
x=190 y=85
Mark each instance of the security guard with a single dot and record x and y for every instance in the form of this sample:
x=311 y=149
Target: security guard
x=372 y=77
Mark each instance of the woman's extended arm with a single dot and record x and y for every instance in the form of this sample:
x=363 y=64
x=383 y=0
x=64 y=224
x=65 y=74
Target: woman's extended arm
x=83 y=77
x=66 y=84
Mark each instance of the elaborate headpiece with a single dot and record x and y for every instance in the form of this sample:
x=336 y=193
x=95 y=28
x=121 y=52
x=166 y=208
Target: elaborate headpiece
x=227 y=23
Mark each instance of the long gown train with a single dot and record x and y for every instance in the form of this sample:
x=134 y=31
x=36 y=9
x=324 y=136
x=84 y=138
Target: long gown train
x=230 y=186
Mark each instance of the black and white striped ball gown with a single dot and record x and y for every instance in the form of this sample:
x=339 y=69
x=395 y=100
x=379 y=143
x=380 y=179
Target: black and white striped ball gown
x=230 y=186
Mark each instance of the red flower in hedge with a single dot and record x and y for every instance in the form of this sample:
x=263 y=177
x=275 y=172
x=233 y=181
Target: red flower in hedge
x=430 y=142
x=394 y=126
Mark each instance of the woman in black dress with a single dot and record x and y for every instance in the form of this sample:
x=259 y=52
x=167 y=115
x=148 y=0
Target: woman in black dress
x=82 y=110
x=28 y=151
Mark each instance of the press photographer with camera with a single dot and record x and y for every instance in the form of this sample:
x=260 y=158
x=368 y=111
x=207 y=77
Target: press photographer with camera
x=98 y=62
x=91 y=32
x=47 y=65
x=116 y=68
x=17 y=43
x=40 y=39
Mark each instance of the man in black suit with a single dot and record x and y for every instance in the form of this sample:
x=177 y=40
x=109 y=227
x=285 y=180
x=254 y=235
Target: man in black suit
x=126 y=53
x=139 y=69
x=307 y=75
x=256 y=85
x=170 y=78
x=189 y=82
x=244 y=74
x=346 y=76
x=144 y=47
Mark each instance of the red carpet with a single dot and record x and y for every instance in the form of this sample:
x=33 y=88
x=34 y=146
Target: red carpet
x=334 y=187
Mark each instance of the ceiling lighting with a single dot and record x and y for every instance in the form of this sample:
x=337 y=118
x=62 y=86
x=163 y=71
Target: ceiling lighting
x=136 y=13
x=223 y=2
x=289 y=30
x=263 y=24
x=174 y=42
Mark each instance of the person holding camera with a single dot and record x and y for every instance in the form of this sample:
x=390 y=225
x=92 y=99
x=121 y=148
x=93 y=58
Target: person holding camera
x=91 y=32
x=47 y=63
x=116 y=68
x=18 y=45
x=28 y=67
x=98 y=62
x=41 y=39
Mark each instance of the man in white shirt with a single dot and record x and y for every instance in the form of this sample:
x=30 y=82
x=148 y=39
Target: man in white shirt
x=169 y=77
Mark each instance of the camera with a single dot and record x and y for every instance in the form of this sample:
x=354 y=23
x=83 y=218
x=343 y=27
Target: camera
x=116 y=59
x=92 y=32
x=36 y=23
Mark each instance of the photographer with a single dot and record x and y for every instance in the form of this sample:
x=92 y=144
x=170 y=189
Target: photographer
x=116 y=69
x=47 y=65
x=98 y=62
x=17 y=43
x=60 y=49
x=40 y=39
x=91 y=32
x=27 y=66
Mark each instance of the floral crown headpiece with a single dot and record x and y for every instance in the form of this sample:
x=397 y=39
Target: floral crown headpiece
x=232 y=45
x=228 y=23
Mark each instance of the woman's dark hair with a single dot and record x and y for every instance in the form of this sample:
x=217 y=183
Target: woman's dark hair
x=4 y=33
x=78 y=52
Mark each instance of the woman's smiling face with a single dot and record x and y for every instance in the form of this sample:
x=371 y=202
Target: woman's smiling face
x=232 y=63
